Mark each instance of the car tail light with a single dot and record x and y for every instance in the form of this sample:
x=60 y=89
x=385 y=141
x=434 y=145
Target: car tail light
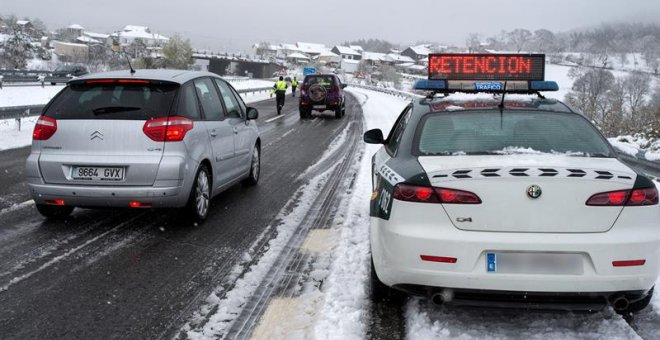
x=55 y=202
x=44 y=128
x=168 y=129
x=139 y=205
x=441 y=259
x=635 y=197
x=628 y=263
x=426 y=194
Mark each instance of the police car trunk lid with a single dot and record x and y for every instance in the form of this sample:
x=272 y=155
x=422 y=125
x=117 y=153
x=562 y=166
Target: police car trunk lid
x=504 y=185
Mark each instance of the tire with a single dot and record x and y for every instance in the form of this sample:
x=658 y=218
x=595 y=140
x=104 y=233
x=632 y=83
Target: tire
x=255 y=168
x=199 y=201
x=380 y=292
x=343 y=108
x=338 y=113
x=638 y=305
x=54 y=212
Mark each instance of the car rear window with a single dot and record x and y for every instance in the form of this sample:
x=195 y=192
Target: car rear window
x=519 y=132
x=113 y=101
x=322 y=80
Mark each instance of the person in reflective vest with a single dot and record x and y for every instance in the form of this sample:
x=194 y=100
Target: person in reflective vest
x=280 y=90
x=294 y=85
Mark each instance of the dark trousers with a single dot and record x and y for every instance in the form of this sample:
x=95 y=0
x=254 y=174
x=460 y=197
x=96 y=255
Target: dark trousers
x=293 y=91
x=279 y=98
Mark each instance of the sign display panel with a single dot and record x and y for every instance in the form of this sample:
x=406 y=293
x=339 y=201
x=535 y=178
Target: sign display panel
x=501 y=67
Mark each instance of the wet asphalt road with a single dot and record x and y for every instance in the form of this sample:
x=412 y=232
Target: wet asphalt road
x=119 y=273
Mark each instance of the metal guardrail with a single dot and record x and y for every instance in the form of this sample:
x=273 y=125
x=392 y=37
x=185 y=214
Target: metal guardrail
x=392 y=92
x=20 y=111
x=35 y=110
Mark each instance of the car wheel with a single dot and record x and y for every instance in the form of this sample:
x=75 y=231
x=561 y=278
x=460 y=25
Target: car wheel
x=255 y=167
x=54 y=212
x=338 y=112
x=199 y=201
x=343 y=108
x=380 y=292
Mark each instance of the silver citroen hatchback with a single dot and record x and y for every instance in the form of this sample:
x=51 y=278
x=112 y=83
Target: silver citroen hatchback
x=153 y=138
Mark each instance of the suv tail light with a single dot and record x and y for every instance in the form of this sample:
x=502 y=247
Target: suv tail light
x=425 y=194
x=629 y=198
x=167 y=129
x=44 y=128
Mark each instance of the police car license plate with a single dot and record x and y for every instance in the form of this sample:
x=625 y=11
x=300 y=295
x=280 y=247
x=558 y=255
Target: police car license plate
x=92 y=173
x=534 y=263
x=489 y=86
x=319 y=106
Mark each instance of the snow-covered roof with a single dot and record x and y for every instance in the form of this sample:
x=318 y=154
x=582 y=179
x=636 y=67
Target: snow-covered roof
x=328 y=54
x=289 y=47
x=421 y=49
x=350 y=61
x=141 y=32
x=96 y=35
x=87 y=40
x=22 y=22
x=357 y=48
x=311 y=48
x=373 y=56
x=76 y=27
x=297 y=56
x=346 y=50
x=57 y=42
x=399 y=58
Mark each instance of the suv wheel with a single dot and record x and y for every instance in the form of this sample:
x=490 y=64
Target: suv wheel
x=255 y=167
x=54 y=212
x=338 y=112
x=305 y=113
x=200 y=195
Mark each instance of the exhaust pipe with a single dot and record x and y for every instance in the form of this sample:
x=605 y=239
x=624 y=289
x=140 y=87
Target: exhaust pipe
x=620 y=303
x=443 y=296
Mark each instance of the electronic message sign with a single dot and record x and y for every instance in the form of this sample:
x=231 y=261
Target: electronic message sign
x=501 y=67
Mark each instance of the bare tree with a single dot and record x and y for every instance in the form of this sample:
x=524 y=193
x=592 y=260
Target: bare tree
x=473 y=42
x=519 y=38
x=637 y=87
x=591 y=95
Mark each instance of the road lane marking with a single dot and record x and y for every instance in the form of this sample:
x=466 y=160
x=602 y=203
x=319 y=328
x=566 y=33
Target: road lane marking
x=274 y=118
x=318 y=241
x=288 y=318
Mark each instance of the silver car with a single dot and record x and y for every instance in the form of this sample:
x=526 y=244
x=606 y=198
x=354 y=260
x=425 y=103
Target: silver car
x=155 y=138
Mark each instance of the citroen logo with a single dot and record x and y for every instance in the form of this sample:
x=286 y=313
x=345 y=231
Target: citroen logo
x=96 y=135
x=534 y=191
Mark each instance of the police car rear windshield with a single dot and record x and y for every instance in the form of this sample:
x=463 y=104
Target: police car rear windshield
x=518 y=132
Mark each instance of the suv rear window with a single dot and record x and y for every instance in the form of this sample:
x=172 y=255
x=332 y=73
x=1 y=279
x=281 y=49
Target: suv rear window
x=113 y=101
x=322 y=80
x=486 y=133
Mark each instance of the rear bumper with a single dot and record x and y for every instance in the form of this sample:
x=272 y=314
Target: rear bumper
x=97 y=196
x=398 y=243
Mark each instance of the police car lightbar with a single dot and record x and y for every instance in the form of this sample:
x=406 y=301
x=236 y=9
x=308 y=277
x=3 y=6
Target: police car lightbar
x=498 y=67
x=441 y=86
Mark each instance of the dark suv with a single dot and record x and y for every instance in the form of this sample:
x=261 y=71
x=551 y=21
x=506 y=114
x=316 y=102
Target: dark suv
x=322 y=92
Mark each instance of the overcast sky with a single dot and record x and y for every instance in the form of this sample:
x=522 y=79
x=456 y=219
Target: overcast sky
x=234 y=25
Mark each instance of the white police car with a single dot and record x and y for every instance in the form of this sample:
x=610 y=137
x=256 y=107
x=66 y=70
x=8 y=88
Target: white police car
x=506 y=198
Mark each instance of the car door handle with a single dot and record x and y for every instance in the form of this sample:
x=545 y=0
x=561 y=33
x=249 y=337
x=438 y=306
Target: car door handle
x=213 y=133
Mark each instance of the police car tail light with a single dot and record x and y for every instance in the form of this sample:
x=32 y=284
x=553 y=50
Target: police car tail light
x=635 y=197
x=451 y=196
x=425 y=194
x=44 y=128
x=415 y=193
x=167 y=129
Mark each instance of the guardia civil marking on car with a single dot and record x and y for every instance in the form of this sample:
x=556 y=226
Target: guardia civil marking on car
x=487 y=193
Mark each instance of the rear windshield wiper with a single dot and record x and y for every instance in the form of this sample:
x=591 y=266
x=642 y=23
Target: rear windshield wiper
x=114 y=109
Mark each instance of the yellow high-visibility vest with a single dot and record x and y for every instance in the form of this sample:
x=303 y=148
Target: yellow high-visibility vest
x=294 y=83
x=280 y=85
